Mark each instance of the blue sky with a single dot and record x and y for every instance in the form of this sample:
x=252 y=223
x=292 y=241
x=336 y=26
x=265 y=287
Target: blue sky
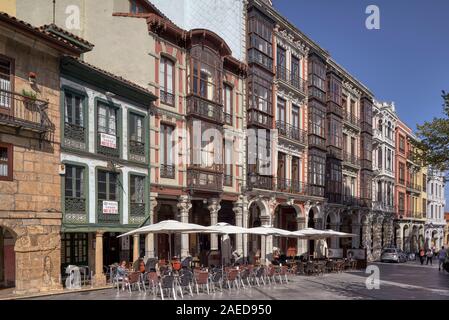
x=406 y=61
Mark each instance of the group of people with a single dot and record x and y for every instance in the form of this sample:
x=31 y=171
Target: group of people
x=429 y=254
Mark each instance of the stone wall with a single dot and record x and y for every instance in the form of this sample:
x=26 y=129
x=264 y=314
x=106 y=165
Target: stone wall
x=30 y=205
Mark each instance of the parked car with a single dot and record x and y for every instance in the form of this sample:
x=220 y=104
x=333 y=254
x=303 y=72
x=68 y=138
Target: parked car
x=393 y=255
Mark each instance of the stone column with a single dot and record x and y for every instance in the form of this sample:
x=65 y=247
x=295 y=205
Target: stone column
x=377 y=237
x=366 y=236
x=388 y=232
x=399 y=241
x=302 y=243
x=100 y=278
x=266 y=250
x=335 y=242
x=149 y=238
x=214 y=207
x=245 y=218
x=184 y=206
x=238 y=211
x=356 y=240
x=136 y=248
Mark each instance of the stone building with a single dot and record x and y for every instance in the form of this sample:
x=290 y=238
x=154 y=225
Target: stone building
x=30 y=199
x=384 y=147
x=436 y=202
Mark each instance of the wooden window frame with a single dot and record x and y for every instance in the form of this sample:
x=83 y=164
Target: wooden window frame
x=164 y=136
x=164 y=61
x=9 y=162
x=229 y=108
x=108 y=184
x=83 y=175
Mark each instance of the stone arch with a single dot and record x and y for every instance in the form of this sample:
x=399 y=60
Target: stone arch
x=406 y=233
x=8 y=264
x=286 y=217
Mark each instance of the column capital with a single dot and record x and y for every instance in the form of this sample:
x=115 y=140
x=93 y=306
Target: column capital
x=214 y=205
x=184 y=204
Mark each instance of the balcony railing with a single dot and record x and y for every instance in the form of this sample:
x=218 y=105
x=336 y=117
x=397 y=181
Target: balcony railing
x=291 y=186
x=367 y=127
x=167 y=98
x=351 y=200
x=137 y=209
x=137 y=151
x=167 y=171
x=205 y=109
x=380 y=206
x=255 y=56
x=259 y=118
x=351 y=159
x=24 y=112
x=74 y=136
x=334 y=197
x=289 y=77
x=108 y=151
x=413 y=187
x=351 y=118
x=199 y=180
x=107 y=217
x=291 y=132
x=257 y=181
x=316 y=190
x=332 y=107
x=316 y=141
x=75 y=205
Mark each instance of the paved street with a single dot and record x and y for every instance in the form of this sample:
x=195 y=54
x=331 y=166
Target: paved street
x=397 y=281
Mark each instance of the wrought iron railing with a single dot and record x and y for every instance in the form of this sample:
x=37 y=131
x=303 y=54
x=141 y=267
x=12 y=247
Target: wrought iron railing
x=291 y=132
x=204 y=109
x=351 y=159
x=108 y=151
x=107 y=217
x=167 y=98
x=291 y=186
x=351 y=118
x=167 y=171
x=291 y=78
x=204 y=181
x=413 y=186
x=260 y=182
x=74 y=136
x=24 y=112
x=75 y=205
x=137 y=209
x=137 y=151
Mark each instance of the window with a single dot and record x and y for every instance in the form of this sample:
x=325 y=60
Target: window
x=6 y=162
x=107 y=186
x=296 y=71
x=137 y=195
x=335 y=133
x=107 y=119
x=6 y=67
x=317 y=169
x=295 y=117
x=379 y=158
x=74 y=249
x=401 y=144
x=316 y=120
x=135 y=7
x=74 y=182
x=74 y=112
x=261 y=88
x=344 y=102
x=227 y=163
x=401 y=173
x=227 y=100
x=352 y=108
x=335 y=90
x=167 y=80
x=281 y=110
x=401 y=201
x=167 y=151
x=296 y=169
x=136 y=128
x=206 y=73
x=389 y=159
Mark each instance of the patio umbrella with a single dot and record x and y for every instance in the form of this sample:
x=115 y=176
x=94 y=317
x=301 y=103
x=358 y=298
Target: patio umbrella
x=168 y=227
x=270 y=231
x=311 y=234
x=337 y=234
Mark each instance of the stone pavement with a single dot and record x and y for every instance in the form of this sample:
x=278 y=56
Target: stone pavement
x=397 y=281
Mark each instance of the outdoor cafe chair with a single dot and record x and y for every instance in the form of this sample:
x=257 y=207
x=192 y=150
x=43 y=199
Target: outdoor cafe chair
x=270 y=275
x=202 y=280
x=330 y=266
x=153 y=281
x=132 y=280
x=309 y=268
x=259 y=275
x=244 y=275
x=300 y=268
x=216 y=279
x=167 y=285
x=184 y=281
x=283 y=274
x=232 y=278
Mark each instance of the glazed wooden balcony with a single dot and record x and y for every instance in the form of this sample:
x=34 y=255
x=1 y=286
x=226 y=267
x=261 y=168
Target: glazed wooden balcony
x=107 y=151
x=137 y=151
x=137 y=209
x=290 y=132
x=367 y=127
x=291 y=186
x=24 y=113
x=204 y=109
x=259 y=118
x=75 y=210
x=291 y=79
x=107 y=217
x=351 y=201
x=199 y=180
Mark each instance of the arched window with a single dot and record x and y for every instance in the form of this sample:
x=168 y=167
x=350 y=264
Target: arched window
x=389 y=130
x=379 y=126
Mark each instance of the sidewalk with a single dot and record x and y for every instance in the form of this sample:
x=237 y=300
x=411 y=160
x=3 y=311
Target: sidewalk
x=8 y=294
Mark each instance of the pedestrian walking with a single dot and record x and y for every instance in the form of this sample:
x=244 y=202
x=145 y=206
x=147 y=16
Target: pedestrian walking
x=421 y=256
x=442 y=254
x=429 y=256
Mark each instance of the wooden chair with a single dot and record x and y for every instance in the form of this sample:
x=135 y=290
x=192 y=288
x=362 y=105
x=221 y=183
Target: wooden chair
x=202 y=280
x=133 y=280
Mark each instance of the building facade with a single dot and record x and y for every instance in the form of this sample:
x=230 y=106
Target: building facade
x=384 y=167
x=30 y=206
x=105 y=166
x=436 y=202
x=410 y=197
